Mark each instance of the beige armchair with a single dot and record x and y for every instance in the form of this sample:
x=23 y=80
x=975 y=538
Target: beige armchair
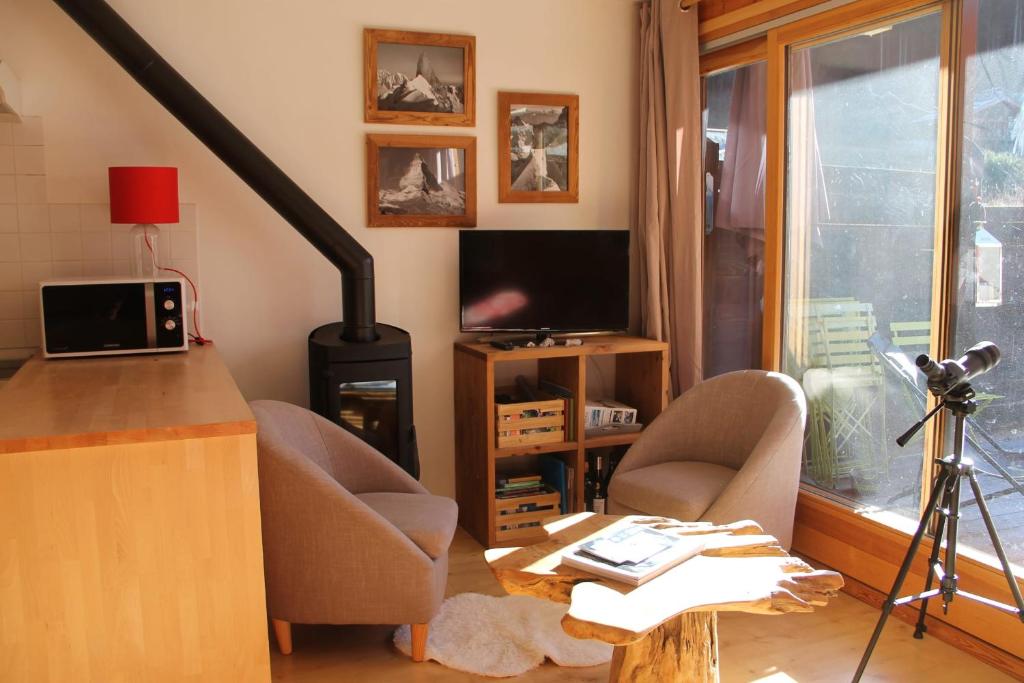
x=727 y=449
x=348 y=536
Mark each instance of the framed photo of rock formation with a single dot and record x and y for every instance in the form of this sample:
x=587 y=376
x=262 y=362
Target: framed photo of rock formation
x=419 y=78
x=538 y=147
x=421 y=181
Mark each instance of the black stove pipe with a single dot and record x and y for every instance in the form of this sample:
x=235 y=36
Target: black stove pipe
x=196 y=113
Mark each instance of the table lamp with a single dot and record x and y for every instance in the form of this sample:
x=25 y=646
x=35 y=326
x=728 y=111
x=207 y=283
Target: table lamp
x=144 y=195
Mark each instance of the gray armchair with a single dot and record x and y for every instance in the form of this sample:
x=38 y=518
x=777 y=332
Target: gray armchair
x=348 y=536
x=727 y=449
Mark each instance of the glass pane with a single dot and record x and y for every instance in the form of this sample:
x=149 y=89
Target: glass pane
x=734 y=165
x=860 y=200
x=370 y=411
x=990 y=295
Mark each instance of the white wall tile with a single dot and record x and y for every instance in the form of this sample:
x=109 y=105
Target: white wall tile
x=121 y=268
x=67 y=268
x=161 y=247
x=10 y=277
x=31 y=189
x=120 y=246
x=29 y=131
x=64 y=218
x=190 y=268
x=6 y=137
x=35 y=247
x=10 y=248
x=97 y=268
x=6 y=159
x=32 y=273
x=186 y=218
x=8 y=190
x=29 y=161
x=33 y=218
x=67 y=246
x=30 y=304
x=96 y=246
x=33 y=332
x=10 y=306
x=12 y=333
x=8 y=218
x=95 y=217
x=183 y=246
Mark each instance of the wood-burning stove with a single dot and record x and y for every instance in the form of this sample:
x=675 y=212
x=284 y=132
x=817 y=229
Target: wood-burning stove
x=366 y=387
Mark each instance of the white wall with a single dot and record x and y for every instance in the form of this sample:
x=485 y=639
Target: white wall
x=288 y=73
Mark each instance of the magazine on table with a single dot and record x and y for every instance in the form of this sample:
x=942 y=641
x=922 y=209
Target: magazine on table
x=633 y=555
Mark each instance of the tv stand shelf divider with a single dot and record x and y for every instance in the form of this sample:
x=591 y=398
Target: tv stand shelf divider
x=641 y=381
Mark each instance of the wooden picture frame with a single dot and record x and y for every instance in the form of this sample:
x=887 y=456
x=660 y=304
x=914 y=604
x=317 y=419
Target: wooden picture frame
x=519 y=164
x=415 y=97
x=406 y=174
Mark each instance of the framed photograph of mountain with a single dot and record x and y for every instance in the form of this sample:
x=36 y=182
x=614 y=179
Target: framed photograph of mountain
x=419 y=78
x=538 y=147
x=420 y=181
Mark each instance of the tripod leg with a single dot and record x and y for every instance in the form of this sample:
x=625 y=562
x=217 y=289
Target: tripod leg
x=940 y=527
x=915 y=543
x=994 y=536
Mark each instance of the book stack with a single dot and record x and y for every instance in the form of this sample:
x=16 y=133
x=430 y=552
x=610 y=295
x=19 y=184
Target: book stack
x=633 y=555
x=518 y=487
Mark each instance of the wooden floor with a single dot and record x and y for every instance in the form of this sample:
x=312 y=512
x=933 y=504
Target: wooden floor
x=823 y=646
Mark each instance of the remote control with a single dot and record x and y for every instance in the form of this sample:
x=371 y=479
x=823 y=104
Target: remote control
x=503 y=345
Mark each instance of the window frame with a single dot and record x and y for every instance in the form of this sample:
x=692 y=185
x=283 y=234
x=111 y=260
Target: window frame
x=868 y=548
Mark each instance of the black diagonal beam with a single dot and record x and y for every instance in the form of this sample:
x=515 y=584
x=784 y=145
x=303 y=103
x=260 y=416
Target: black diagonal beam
x=196 y=113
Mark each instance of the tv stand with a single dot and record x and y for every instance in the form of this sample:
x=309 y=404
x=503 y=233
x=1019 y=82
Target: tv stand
x=641 y=381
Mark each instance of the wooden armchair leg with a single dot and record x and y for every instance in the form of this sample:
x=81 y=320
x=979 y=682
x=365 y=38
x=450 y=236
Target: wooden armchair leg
x=419 y=641
x=283 y=633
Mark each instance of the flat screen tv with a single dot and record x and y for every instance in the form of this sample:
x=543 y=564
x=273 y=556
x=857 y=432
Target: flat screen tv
x=544 y=280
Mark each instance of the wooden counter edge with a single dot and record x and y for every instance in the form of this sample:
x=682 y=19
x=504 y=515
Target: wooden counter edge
x=86 y=440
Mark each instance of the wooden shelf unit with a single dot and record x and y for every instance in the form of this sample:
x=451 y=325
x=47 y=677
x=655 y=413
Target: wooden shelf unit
x=641 y=381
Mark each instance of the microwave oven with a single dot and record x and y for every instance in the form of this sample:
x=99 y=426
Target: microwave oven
x=111 y=316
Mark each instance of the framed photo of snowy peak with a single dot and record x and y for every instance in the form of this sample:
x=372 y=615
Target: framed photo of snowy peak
x=421 y=181
x=538 y=147
x=419 y=78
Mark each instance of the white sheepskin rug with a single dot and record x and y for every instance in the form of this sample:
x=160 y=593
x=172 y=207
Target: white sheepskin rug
x=504 y=636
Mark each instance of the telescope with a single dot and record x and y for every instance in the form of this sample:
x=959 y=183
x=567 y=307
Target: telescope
x=949 y=380
x=945 y=376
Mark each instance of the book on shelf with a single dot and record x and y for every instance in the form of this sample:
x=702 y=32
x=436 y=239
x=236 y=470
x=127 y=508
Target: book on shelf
x=538 y=490
x=553 y=471
x=605 y=411
x=633 y=555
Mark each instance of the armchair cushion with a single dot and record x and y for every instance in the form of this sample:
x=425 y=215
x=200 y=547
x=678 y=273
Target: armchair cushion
x=429 y=521
x=682 y=490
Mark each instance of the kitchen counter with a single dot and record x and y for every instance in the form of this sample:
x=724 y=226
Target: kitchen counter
x=130 y=543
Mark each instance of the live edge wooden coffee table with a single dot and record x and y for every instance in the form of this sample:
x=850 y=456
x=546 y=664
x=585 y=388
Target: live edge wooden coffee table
x=665 y=630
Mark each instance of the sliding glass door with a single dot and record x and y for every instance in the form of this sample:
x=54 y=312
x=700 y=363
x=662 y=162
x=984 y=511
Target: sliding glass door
x=734 y=184
x=990 y=282
x=861 y=149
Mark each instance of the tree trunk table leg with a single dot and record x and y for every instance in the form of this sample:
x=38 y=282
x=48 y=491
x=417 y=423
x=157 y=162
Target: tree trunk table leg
x=683 y=650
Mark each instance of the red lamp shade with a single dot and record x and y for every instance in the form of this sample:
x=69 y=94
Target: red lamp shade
x=143 y=194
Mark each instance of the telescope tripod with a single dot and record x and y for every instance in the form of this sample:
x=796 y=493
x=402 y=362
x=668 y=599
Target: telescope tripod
x=953 y=470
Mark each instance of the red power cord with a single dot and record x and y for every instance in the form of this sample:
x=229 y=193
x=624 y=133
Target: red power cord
x=198 y=337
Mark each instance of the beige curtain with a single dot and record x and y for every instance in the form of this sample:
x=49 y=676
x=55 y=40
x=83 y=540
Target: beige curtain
x=668 y=224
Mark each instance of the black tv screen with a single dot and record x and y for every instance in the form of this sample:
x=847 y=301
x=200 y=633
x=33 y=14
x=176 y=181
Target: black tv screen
x=544 y=280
